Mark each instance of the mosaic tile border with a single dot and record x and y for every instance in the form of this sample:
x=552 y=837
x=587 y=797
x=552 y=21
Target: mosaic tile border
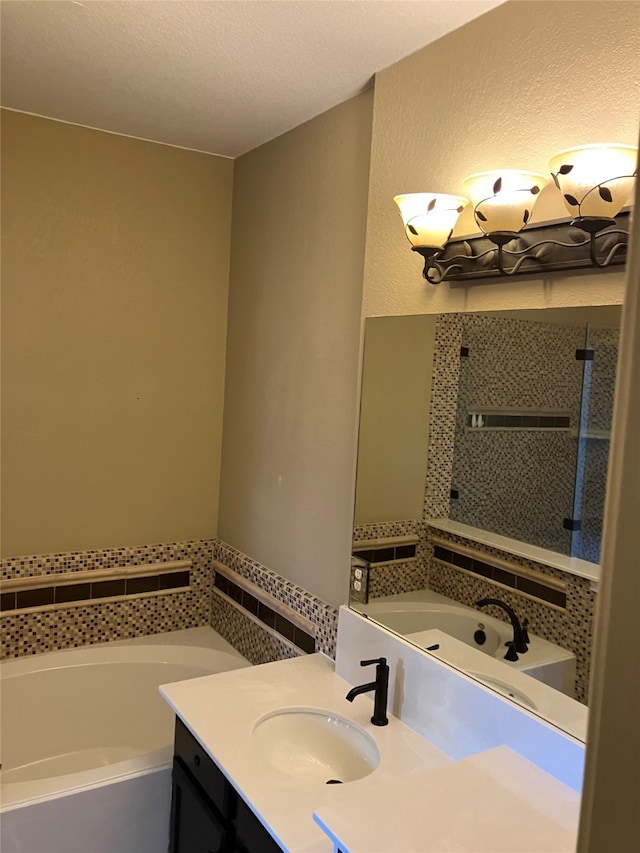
x=43 y=596
x=452 y=558
x=388 y=529
x=265 y=614
x=387 y=553
x=253 y=640
x=571 y=627
x=77 y=624
x=104 y=558
x=395 y=577
x=321 y=614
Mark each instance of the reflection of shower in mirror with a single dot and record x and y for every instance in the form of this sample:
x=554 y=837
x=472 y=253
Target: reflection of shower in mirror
x=482 y=463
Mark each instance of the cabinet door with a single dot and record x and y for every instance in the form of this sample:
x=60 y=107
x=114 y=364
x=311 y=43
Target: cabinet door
x=203 y=770
x=251 y=836
x=195 y=825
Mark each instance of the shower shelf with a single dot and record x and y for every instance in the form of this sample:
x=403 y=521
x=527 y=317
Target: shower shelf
x=598 y=434
x=480 y=418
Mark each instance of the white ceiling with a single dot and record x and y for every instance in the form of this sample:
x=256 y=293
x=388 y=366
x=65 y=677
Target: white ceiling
x=221 y=76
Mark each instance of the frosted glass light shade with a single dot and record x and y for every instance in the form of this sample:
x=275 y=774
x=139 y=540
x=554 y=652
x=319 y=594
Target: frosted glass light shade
x=429 y=218
x=503 y=200
x=595 y=180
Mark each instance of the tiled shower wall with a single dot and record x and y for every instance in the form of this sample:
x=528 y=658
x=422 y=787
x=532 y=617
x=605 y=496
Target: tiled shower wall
x=85 y=622
x=516 y=476
x=442 y=415
x=493 y=363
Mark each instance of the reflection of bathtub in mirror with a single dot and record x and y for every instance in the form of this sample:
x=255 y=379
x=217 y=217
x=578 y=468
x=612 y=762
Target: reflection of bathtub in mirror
x=511 y=508
x=541 y=680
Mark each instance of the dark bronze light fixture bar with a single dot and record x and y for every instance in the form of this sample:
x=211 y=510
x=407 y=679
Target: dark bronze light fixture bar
x=554 y=247
x=594 y=182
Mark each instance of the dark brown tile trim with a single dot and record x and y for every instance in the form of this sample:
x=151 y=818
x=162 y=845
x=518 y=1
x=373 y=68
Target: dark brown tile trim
x=35 y=597
x=397 y=553
x=107 y=589
x=265 y=614
x=72 y=592
x=520 y=583
x=44 y=596
x=8 y=601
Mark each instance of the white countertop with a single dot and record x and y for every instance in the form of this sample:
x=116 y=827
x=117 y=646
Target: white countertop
x=494 y=802
x=416 y=800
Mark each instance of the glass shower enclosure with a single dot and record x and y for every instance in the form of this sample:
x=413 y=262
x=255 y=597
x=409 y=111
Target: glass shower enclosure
x=533 y=421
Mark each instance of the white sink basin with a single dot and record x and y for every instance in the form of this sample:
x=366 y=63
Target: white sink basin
x=315 y=745
x=506 y=689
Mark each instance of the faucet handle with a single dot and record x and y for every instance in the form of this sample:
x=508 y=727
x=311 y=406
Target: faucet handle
x=511 y=653
x=380 y=661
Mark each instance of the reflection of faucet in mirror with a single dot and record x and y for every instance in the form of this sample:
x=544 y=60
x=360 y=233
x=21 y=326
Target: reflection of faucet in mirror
x=517 y=645
x=444 y=509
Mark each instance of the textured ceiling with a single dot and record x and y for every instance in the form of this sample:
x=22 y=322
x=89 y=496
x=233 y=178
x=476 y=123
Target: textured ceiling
x=221 y=76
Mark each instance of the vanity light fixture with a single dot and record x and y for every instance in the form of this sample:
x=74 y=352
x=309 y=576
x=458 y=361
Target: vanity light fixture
x=502 y=205
x=596 y=182
x=429 y=219
x=503 y=201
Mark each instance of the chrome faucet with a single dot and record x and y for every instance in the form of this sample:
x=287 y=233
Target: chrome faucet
x=520 y=637
x=381 y=688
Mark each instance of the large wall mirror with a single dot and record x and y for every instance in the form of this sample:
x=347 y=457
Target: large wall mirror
x=482 y=468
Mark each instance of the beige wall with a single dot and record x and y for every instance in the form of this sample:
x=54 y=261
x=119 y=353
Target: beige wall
x=115 y=272
x=511 y=88
x=394 y=418
x=508 y=90
x=293 y=343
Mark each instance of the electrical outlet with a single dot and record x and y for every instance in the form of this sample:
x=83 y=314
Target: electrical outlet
x=358 y=574
x=357 y=586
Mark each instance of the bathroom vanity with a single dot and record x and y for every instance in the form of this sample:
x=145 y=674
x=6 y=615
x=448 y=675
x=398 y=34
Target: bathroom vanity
x=221 y=718
x=243 y=782
x=207 y=814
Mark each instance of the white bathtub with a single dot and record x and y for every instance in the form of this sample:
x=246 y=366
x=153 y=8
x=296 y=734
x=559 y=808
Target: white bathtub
x=542 y=680
x=413 y=614
x=86 y=742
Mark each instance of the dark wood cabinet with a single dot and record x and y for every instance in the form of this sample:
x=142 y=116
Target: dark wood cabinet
x=207 y=813
x=195 y=827
x=251 y=836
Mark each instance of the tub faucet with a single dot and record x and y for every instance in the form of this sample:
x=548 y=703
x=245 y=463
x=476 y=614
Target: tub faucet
x=518 y=644
x=381 y=688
